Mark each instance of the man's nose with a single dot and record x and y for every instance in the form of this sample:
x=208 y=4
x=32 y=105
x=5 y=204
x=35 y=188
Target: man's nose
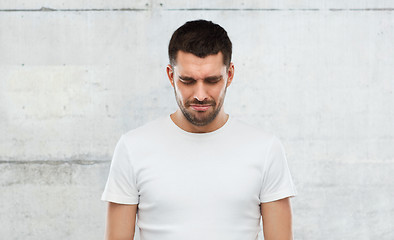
x=200 y=92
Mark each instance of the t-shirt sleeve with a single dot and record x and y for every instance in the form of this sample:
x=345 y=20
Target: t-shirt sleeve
x=121 y=185
x=277 y=181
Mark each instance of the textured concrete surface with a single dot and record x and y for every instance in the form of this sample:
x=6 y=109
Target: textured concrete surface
x=75 y=75
x=52 y=200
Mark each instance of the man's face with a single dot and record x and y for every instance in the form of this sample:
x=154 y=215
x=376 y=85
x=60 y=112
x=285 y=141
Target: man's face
x=200 y=86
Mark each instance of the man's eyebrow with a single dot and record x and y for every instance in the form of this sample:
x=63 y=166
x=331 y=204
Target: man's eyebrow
x=186 y=78
x=211 y=78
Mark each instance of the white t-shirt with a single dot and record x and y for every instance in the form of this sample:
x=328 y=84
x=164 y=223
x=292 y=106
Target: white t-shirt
x=198 y=185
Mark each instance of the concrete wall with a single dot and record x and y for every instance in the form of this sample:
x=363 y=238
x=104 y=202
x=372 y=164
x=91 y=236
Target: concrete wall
x=75 y=75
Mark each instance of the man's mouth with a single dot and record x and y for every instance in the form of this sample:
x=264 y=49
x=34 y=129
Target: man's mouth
x=200 y=108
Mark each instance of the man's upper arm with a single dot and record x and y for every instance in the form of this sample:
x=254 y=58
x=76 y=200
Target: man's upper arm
x=277 y=223
x=121 y=221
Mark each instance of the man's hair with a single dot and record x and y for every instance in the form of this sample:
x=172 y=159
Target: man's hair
x=201 y=38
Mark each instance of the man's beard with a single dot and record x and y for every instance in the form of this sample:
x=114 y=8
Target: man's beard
x=192 y=116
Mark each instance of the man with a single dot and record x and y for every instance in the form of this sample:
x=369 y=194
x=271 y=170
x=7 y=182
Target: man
x=198 y=173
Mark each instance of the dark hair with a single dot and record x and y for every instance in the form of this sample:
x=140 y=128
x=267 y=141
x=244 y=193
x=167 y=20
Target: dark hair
x=201 y=38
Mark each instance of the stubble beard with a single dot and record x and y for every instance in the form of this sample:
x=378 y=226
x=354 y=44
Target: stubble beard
x=192 y=118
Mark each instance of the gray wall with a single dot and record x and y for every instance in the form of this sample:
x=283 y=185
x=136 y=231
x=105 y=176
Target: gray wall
x=75 y=75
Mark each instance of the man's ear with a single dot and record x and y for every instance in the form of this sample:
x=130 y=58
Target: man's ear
x=230 y=74
x=170 y=74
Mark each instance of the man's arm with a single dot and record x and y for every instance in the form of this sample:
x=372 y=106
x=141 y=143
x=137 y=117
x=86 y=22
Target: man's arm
x=120 y=221
x=277 y=220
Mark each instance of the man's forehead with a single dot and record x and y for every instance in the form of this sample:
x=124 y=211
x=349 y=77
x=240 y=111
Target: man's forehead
x=189 y=58
x=189 y=64
x=199 y=72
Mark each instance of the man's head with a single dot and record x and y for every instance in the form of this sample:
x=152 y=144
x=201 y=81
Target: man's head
x=201 y=38
x=200 y=70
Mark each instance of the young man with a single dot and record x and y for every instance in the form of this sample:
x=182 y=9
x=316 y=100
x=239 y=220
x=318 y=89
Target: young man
x=198 y=173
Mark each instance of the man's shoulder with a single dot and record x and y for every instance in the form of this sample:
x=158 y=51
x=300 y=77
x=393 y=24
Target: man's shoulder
x=149 y=129
x=250 y=131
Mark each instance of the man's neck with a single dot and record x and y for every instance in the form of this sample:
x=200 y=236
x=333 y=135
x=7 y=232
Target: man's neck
x=179 y=119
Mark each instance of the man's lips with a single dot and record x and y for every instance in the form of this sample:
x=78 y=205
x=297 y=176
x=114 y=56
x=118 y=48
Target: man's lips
x=200 y=108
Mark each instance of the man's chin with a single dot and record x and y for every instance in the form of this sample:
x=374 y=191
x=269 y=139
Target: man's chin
x=199 y=118
x=201 y=121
